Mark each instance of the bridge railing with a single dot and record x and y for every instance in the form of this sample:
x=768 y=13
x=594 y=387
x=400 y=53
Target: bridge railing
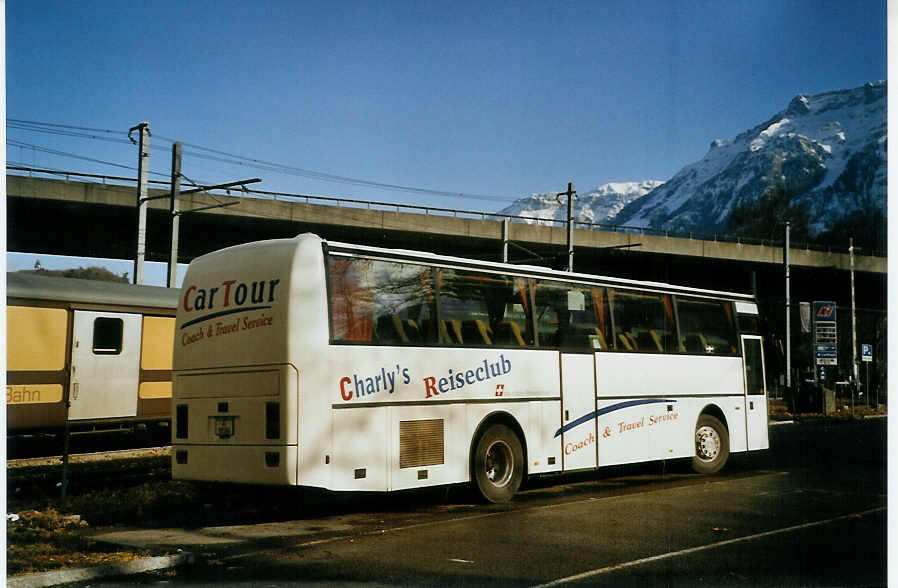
x=461 y=213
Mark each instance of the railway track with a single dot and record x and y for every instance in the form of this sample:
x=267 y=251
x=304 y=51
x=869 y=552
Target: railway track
x=33 y=480
x=49 y=444
x=94 y=457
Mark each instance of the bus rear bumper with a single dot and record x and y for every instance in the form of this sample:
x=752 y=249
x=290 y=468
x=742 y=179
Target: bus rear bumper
x=251 y=464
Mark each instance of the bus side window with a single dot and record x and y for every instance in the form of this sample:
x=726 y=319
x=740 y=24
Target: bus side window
x=643 y=322
x=572 y=316
x=380 y=302
x=479 y=310
x=706 y=326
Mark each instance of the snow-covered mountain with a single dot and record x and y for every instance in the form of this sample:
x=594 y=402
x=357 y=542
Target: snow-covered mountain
x=598 y=206
x=827 y=151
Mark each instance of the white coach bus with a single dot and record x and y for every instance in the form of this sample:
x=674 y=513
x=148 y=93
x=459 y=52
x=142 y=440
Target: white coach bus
x=313 y=363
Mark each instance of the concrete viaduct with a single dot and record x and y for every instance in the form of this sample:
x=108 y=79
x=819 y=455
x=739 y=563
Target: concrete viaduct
x=97 y=219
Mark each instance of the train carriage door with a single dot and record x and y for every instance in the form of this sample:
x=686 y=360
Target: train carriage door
x=755 y=392
x=578 y=411
x=105 y=365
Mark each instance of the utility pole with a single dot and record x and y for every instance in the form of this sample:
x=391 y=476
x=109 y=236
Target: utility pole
x=854 y=366
x=174 y=217
x=788 y=314
x=506 y=228
x=570 y=193
x=143 y=166
x=175 y=212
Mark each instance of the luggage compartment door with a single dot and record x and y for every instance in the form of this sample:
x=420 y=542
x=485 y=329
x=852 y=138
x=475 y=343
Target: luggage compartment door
x=105 y=365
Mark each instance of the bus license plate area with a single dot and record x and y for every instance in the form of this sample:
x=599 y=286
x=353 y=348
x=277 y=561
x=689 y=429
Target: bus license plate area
x=224 y=426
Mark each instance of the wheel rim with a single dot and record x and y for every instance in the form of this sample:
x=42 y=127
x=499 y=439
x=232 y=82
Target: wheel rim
x=707 y=443
x=499 y=463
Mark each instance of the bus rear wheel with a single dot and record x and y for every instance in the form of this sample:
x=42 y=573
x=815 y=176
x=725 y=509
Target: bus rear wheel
x=498 y=464
x=712 y=445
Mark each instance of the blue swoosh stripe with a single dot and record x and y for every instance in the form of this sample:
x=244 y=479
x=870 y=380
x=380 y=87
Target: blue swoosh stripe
x=611 y=408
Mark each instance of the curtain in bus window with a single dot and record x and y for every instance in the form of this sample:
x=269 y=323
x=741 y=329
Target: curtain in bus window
x=568 y=316
x=706 y=326
x=380 y=302
x=643 y=321
x=351 y=304
x=603 y=321
x=482 y=309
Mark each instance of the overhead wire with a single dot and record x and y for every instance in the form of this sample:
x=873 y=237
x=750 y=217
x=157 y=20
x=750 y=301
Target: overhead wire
x=60 y=153
x=221 y=156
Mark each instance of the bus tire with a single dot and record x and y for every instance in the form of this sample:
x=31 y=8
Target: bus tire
x=712 y=445
x=498 y=464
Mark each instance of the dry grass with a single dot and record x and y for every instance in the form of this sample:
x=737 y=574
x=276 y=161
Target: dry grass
x=44 y=535
x=46 y=540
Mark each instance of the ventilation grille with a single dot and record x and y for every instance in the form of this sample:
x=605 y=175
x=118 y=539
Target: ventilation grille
x=420 y=443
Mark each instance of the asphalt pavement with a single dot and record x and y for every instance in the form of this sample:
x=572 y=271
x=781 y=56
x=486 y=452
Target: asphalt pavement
x=811 y=511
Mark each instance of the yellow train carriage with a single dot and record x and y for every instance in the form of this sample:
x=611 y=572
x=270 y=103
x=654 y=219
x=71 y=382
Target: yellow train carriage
x=96 y=353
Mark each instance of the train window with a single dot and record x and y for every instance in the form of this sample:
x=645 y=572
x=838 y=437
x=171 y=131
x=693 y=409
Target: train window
x=108 y=336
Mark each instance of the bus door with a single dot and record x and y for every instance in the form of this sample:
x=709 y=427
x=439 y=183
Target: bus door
x=579 y=440
x=105 y=365
x=755 y=392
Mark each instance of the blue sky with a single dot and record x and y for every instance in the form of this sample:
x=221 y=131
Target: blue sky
x=495 y=99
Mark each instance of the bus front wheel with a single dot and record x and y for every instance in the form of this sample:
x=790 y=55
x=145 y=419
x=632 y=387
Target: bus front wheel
x=498 y=463
x=712 y=445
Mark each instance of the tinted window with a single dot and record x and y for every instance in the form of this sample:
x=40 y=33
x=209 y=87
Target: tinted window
x=572 y=316
x=642 y=321
x=381 y=302
x=483 y=309
x=108 y=336
x=706 y=326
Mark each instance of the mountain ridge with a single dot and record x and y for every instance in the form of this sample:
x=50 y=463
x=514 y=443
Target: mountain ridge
x=824 y=156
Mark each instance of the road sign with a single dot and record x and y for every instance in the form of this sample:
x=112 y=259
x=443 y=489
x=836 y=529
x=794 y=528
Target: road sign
x=866 y=352
x=825 y=336
x=824 y=311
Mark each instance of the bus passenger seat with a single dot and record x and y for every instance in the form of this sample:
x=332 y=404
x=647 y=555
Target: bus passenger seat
x=508 y=333
x=476 y=330
x=600 y=337
x=450 y=331
x=626 y=342
x=412 y=331
x=696 y=343
x=455 y=328
x=400 y=330
x=389 y=330
x=649 y=340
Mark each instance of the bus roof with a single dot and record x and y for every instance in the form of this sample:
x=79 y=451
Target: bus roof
x=36 y=287
x=522 y=270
